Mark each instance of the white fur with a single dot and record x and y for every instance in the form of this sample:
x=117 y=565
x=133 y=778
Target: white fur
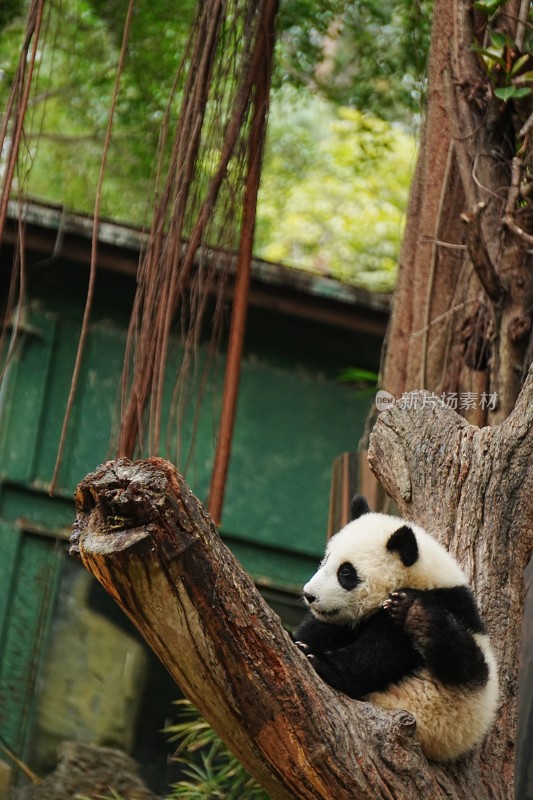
x=450 y=720
x=363 y=543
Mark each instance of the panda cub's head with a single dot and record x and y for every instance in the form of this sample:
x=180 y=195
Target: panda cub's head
x=373 y=555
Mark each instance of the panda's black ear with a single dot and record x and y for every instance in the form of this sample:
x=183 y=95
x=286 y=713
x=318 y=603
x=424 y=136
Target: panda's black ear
x=403 y=541
x=358 y=507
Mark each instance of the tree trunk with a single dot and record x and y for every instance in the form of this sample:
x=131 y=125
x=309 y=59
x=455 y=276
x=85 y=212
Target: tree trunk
x=473 y=489
x=461 y=320
x=150 y=543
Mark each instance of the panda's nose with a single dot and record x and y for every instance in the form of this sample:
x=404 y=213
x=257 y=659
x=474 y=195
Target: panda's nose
x=309 y=597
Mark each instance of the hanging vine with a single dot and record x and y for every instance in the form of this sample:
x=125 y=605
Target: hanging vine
x=208 y=167
x=205 y=211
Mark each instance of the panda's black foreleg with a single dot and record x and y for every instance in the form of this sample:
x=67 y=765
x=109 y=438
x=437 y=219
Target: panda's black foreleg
x=349 y=670
x=320 y=636
x=444 y=638
x=359 y=660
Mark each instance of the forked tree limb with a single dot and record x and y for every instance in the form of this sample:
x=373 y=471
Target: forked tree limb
x=148 y=540
x=151 y=544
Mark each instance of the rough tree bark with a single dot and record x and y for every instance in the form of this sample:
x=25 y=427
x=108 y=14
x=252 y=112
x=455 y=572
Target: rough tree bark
x=150 y=543
x=462 y=318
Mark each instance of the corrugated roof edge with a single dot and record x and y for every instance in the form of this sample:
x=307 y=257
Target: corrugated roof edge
x=121 y=235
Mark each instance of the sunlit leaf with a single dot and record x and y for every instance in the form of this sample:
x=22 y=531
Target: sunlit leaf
x=519 y=63
x=490 y=55
x=488 y=6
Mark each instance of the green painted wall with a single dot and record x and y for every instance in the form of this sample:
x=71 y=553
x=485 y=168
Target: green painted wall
x=293 y=418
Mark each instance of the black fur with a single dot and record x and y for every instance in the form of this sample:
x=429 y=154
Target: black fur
x=358 y=507
x=403 y=541
x=347 y=576
x=414 y=629
x=440 y=623
x=359 y=660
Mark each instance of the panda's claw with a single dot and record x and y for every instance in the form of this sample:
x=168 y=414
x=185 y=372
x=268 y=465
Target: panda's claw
x=302 y=646
x=397 y=605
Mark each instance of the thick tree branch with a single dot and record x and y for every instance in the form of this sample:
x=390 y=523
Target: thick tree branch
x=150 y=543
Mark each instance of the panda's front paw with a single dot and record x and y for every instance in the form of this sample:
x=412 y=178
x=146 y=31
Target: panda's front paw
x=398 y=604
x=306 y=651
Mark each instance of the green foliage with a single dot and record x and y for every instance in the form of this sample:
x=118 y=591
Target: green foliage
x=9 y=10
x=76 y=74
x=508 y=92
x=335 y=178
x=334 y=191
x=508 y=71
x=210 y=770
x=368 y=54
x=489 y=6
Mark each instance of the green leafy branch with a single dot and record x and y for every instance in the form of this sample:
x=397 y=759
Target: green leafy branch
x=509 y=71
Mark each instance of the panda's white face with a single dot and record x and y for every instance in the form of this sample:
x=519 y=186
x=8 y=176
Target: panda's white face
x=371 y=557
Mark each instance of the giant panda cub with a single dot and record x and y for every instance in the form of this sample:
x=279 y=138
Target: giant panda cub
x=393 y=621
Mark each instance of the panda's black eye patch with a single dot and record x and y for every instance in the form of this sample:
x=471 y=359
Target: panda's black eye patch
x=347 y=576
